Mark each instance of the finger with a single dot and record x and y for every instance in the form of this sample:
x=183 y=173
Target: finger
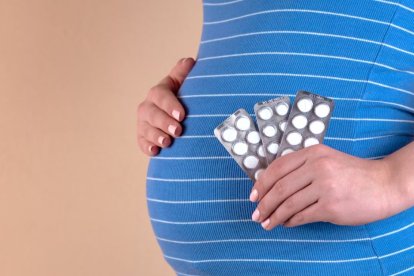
x=291 y=206
x=155 y=136
x=147 y=147
x=166 y=100
x=281 y=191
x=308 y=215
x=177 y=75
x=161 y=120
x=283 y=166
x=274 y=172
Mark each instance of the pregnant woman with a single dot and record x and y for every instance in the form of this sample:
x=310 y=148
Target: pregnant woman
x=342 y=208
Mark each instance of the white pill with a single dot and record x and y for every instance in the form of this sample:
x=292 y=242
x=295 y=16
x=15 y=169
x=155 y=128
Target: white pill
x=282 y=109
x=286 y=151
x=229 y=134
x=253 y=137
x=317 y=127
x=240 y=148
x=282 y=125
x=272 y=148
x=294 y=138
x=310 y=142
x=305 y=104
x=251 y=162
x=265 y=113
x=257 y=174
x=299 y=121
x=322 y=110
x=260 y=151
x=243 y=123
x=269 y=131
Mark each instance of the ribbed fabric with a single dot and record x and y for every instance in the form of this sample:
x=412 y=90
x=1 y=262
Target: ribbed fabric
x=358 y=52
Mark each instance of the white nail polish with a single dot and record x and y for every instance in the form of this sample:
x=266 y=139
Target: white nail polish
x=256 y=215
x=161 y=140
x=172 y=129
x=176 y=114
x=266 y=223
x=254 y=195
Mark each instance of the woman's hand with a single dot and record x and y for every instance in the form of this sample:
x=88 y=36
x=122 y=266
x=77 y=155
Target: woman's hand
x=322 y=184
x=160 y=114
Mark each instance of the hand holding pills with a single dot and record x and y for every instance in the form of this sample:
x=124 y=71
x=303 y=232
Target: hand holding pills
x=319 y=183
x=305 y=181
x=160 y=114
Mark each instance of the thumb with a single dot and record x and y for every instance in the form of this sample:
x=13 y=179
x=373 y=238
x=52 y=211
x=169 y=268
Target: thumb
x=178 y=74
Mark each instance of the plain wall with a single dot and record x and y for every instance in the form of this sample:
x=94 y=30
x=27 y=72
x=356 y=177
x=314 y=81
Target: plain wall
x=72 y=179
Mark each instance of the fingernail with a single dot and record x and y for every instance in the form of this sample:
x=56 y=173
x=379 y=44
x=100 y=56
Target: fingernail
x=161 y=140
x=265 y=223
x=151 y=149
x=172 y=129
x=254 y=195
x=256 y=215
x=183 y=60
x=176 y=114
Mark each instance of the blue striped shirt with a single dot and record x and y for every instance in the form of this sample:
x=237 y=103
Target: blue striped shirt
x=359 y=53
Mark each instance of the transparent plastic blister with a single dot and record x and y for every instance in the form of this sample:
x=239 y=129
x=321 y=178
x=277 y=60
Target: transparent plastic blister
x=239 y=135
x=307 y=122
x=271 y=117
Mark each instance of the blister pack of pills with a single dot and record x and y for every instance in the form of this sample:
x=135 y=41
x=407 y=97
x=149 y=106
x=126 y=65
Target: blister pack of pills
x=307 y=122
x=271 y=118
x=239 y=135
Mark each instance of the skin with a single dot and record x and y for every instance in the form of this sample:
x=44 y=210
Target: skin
x=160 y=115
x=315 y=184
x=322 y=184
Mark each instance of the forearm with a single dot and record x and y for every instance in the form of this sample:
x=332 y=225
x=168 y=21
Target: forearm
x=401 y=165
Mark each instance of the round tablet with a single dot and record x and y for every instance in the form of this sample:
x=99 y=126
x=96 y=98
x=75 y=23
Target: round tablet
x=257 y=174
x=299 y=121
x=282 y=109
x=305 y=104
x=272 y=148
x=243 y=123
x=322 y=110
x=251 y=162
x=265 y=113
x=294 y=138
x=310 y=142
x=253 y=137
x=229 y=134
x=260 y=151
x=286 y=151
x=317 y=127
x=282 y=125
x=240 y=148
x=269 y=131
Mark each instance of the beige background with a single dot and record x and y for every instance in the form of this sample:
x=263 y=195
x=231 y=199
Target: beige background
x=72 y=180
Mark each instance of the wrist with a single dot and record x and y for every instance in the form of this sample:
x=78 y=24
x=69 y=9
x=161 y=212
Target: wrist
x=400 y=189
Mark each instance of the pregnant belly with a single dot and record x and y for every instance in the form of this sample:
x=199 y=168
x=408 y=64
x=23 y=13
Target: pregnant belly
x=197 y=196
